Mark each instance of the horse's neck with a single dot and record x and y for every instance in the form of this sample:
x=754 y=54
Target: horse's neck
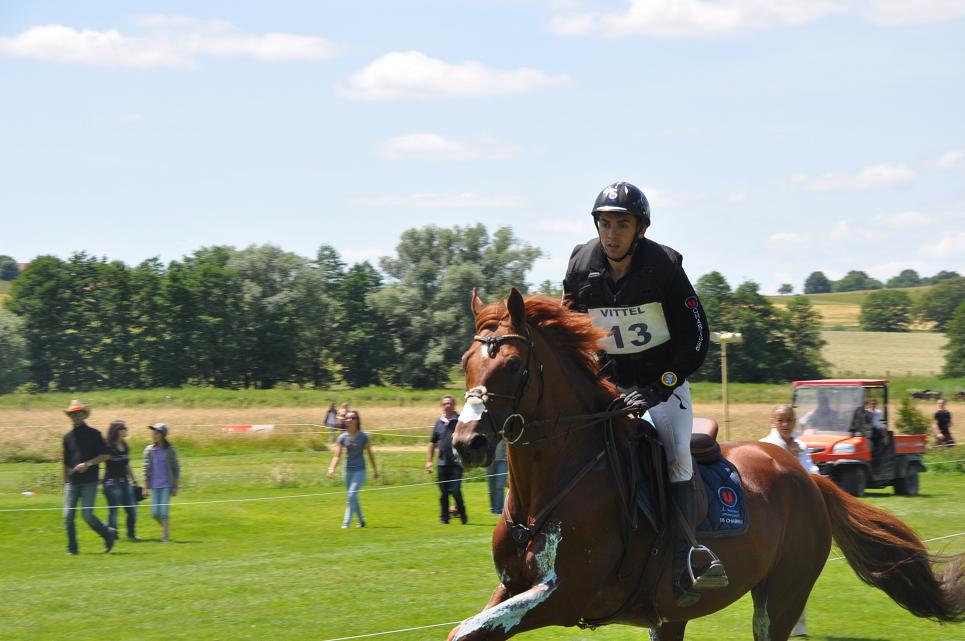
x=539 y=471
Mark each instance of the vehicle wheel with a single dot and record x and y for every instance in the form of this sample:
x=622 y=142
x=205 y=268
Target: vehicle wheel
x=907 y=486
x=852 y=480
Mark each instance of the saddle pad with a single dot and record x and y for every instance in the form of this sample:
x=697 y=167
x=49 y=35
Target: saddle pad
x=726 y=504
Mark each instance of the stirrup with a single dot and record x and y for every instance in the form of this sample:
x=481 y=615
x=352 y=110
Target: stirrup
x=713 y=577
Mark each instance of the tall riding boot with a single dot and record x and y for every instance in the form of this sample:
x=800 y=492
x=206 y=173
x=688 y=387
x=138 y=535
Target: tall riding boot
x=684 y=592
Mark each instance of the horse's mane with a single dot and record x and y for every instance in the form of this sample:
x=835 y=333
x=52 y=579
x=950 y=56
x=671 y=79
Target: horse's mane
x=571 y=332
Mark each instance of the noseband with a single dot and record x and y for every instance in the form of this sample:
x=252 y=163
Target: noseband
x=492 y=344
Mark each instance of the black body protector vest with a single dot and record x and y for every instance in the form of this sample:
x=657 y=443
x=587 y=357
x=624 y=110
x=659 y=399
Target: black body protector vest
x=658 y=330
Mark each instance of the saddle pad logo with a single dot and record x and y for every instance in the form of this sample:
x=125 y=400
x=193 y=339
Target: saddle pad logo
x=727 y=496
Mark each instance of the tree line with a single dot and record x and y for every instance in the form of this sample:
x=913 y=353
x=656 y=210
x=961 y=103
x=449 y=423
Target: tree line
x=857 y=280
x=261 y=316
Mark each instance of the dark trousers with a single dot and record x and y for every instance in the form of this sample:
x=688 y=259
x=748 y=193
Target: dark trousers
x=450 y=482
x=85 y=494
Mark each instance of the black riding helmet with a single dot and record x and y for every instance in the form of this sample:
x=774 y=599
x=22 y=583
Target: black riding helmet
x=624 y=198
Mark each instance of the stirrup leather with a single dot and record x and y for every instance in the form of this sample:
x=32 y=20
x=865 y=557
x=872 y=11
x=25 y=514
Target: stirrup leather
x=713 y=577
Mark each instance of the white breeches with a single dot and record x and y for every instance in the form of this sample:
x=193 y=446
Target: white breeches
x=674 y=427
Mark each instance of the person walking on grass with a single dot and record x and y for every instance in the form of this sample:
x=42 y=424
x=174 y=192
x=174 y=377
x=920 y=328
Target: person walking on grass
x=162 y=473
x=449 y=468
x=356 y=443
x=83 y=449
x=119 y=479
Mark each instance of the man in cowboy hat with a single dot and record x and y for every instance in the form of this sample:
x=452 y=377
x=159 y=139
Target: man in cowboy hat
x=84 y=448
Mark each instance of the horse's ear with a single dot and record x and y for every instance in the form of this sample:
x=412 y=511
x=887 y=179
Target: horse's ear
x=475 y=303
x=516 y=307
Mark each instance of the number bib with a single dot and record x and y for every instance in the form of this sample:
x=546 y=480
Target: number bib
x=632 y=329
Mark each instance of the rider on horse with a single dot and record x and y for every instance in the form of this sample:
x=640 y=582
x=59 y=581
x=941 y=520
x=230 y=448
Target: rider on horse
x=637 y=290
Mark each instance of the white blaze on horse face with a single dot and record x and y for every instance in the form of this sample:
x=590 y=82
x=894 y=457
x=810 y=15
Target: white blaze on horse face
x=472 y=411
x=484 y=350
x=510 y=612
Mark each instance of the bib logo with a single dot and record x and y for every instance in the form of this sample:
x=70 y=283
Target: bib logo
x=727 y=496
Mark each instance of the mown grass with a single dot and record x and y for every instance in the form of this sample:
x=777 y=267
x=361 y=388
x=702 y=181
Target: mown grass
x=885 y=354
x=283 y=569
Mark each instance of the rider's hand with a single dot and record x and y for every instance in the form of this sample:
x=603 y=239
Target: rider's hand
x=643 y=399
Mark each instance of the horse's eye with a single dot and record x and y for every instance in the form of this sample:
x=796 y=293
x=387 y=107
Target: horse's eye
x=514 y=364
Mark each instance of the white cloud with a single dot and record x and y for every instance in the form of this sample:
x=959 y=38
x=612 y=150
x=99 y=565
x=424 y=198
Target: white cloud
x=659 y=199
x=903 y=220
x=131 y=119
x=881 y=175
x=946 y=244
x=847 y=231
x=169 y=41
x=412 y=75
x=785 y=239
x=950 y=159
x=560 y=225
x=735 y=197
x=435 y=201
x=691 y=18
x=706 y=18
x=427 y=146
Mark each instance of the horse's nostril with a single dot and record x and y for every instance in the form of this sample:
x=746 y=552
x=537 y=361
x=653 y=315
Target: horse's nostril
x=478 y=442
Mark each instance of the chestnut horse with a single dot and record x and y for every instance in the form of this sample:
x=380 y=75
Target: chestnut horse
x=532 y=377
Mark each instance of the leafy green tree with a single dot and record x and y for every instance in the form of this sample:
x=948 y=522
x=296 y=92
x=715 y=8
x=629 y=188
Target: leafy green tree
x=939 y=277
x=938 y=304
x=785 y=289
x=365 y=345
x=907 y=278
x=763 y=355
x=426 y=303
x=549 y=288
x=854 y=281
x=802 y=336
x=317 y=318
x=887 y=310
x=817 y=283
x=955 y=347
x=13 y=352
x=8 y=268
x=910 y=419
x=714 y=293
x=41 y=297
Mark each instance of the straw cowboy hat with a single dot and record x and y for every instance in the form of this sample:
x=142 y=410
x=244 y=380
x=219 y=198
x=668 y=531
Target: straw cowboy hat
x=76 y=407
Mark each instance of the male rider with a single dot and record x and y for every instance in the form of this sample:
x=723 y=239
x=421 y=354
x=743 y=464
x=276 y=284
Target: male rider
x=637 y=290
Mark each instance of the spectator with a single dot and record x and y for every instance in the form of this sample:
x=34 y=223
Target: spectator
x=84 y=448
x=943 y=425
x=782 y=435
x=496 y=476
x=340 y=415
x=331 y=421
x=822 y=415
x=449 y=469
x=877 y=418
x=356 y=443
x=162 y=473
x=117 y=490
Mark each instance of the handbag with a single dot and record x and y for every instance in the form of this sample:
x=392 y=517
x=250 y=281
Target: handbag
x=138 y=493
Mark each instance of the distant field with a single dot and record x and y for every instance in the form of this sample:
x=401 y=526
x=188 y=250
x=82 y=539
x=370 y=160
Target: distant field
x=885 y=353
x=841 y=310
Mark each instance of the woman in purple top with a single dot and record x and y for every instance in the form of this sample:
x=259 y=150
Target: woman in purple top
x=161 y=475
x=355 y=442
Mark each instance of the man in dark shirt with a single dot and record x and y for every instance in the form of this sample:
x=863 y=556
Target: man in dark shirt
x=84 y=449
x=450 y=469
x=943 y=425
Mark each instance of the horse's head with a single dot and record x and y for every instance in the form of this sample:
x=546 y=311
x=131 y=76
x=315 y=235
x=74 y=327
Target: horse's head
x=499 y=374
x=506 y=385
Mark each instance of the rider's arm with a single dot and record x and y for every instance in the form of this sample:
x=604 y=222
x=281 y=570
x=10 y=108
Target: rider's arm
x=688 y=325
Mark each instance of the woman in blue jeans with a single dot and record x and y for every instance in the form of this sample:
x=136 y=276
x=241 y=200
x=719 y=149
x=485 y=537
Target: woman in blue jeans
x=118 y=491
x=355 y=442
x=162 y=474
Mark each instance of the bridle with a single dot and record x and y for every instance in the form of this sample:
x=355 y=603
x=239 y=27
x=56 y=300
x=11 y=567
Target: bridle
x=492 y=343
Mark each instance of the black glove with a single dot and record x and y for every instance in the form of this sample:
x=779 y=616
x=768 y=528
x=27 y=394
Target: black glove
x=643 y=399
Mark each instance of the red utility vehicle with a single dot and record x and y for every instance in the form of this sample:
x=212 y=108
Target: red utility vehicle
x=851 y=444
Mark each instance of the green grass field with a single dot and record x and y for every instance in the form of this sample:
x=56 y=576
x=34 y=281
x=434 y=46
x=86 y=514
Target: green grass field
x=840 y=311
x=886 y=354
x=283 y=569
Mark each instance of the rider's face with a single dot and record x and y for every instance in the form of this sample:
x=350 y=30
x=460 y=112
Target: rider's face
x=617 y=232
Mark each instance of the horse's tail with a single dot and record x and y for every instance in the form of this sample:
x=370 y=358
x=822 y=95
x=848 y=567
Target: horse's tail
x=886 y=553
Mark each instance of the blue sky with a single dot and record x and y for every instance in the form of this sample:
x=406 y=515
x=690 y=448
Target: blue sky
x=773 y=137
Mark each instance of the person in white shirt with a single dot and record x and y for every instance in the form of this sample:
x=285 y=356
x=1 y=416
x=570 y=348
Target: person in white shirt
x=782 y=435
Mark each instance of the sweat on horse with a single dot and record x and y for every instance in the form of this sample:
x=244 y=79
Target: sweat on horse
x=565 y=551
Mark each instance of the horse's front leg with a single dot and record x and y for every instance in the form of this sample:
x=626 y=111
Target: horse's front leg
x=506 y=615
x=535 y=607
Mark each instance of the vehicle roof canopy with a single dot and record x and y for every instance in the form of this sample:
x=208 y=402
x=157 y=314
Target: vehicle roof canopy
x=854 y=382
